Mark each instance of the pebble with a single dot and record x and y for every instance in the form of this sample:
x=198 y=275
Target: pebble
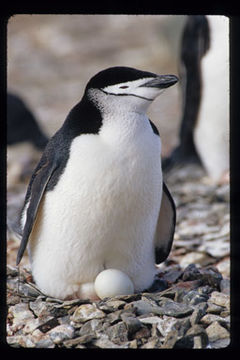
x=220 y=299
x=60 y=333
x=87 y=312
x=210 y=318
x=215 y=333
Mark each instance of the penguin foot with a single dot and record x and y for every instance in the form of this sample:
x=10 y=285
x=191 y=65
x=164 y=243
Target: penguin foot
x=85 y=291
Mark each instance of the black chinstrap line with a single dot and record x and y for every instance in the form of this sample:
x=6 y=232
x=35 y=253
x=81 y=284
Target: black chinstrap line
x=141 y=97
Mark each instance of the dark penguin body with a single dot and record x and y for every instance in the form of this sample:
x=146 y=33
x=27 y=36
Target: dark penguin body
x=203 y=135
x=194 y=44
x=22 y=125
x=96 y=200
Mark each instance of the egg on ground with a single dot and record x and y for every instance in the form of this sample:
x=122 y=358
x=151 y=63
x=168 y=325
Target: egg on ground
x=112 y=282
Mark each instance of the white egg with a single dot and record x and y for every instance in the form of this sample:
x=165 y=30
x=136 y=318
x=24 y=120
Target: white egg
x=112 y=282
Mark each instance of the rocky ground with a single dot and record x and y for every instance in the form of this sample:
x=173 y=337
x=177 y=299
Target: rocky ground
x=189 y=309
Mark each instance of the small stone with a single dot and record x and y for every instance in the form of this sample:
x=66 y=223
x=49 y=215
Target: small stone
x=40 y=308
x=31 y=325
x=67 y=304
x=193 y=298
x=26 y=342
x=144 y=332
x=170 y=340
x=213 y=308
x=198 y=313
x=60 y=333
x=205 y=290
x=195 y=330
x=216 y=332
x=164 y=324
x=187 y=341
x=225 y=286
x=48 y=325
x=132 y=344
x=141 y=307
x=191 y=272
x=91 y=327
x=220 y=299
x=20 y=341
x=172 y=308
x=211 y=276
x=152 y=343
x=84 y=339
x=133 y=324
x=87 y=312
x=118 y=333
x=104 y=343
x=183 y=287
x=64 y=320
x=114 y=317
x=210 y=318
x=45 y=343
x=225 y=313
x=41 y=340
x=20 y=313
x=223 y=267
x=111 y=305
x=12 y=271
x=29 y=290
x=12 y=299
x=172 y=276
x=197 y=342
x=221 y=343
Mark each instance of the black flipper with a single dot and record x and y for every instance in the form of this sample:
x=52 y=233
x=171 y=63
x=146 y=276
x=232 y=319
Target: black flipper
x=165 y=226
x=37 y=187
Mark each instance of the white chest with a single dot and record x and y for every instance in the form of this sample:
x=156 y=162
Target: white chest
x=112 y=166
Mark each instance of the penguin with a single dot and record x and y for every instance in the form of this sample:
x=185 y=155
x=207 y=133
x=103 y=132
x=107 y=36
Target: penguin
x=204 y=75
x=97 y=199
x=22 y=125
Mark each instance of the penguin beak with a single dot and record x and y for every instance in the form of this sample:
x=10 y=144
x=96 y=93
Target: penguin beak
x=161 y=81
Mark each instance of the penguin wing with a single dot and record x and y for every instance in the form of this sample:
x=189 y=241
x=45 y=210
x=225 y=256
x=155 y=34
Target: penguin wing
x=165 y=226
x=37 y=186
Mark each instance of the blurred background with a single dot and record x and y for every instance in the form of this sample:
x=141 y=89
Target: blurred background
x=52 y=57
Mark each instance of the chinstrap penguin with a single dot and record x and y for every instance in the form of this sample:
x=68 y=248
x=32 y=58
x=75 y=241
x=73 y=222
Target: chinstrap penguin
x=204 y=70
x=97 y=200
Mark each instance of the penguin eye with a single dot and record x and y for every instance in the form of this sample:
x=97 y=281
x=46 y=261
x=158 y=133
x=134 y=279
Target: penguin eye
x=123 y=87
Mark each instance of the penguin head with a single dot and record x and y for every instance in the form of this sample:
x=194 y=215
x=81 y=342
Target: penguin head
x=127 y=88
